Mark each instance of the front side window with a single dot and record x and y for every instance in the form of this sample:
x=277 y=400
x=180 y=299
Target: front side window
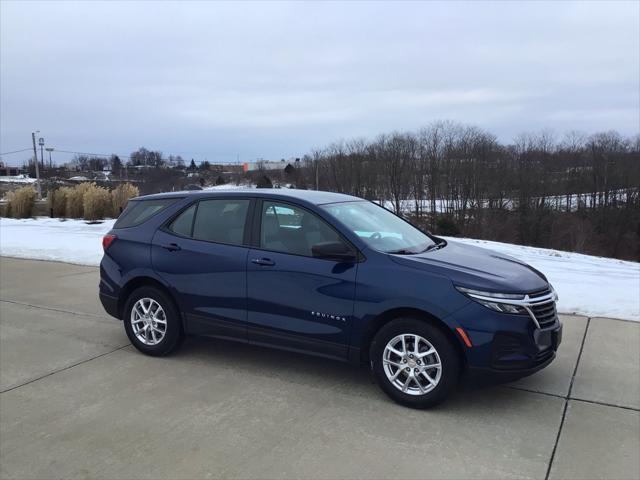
x=220 y=221
x=289 y=229
x=379 y=228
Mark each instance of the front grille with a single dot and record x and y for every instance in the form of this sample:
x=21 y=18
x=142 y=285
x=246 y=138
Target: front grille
x=545 y=313
x=539 y=293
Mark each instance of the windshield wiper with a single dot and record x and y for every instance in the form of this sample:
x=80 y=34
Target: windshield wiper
x=435 y=246
x=408 y=251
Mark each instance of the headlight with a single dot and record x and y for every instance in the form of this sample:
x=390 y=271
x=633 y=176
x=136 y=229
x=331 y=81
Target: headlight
x=499 y=302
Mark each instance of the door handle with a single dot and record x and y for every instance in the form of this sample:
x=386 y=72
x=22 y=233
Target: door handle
x=172 y=247
x=265 y=262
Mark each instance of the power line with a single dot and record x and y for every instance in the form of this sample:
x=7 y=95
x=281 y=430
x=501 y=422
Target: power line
x=73 y=152
x=16 y=151
x=108 y=155
x=91 y=154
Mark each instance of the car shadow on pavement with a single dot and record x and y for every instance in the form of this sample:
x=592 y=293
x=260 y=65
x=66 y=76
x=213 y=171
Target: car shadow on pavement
x=300 y=369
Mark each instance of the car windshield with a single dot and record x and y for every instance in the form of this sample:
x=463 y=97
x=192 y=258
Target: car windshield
x=379 y=228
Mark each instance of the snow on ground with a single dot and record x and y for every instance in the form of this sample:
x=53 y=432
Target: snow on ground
x=229 y=186
x=587 y=285
x=72 y=241
x=17 y=179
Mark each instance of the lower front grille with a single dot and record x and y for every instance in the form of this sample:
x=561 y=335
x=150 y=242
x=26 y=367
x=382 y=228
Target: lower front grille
x=508 y=351
x=511 y=352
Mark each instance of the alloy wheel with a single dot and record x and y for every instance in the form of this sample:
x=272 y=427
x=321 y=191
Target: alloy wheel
x=412 y=364
x=148 y=321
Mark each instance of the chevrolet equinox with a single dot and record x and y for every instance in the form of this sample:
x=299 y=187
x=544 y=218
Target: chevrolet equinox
x=330 y=275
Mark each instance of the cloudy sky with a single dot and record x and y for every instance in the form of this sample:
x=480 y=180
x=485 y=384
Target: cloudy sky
x=272 y=80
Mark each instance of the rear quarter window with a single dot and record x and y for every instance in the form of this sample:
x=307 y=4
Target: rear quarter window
x=139 y=211
x=183 y=224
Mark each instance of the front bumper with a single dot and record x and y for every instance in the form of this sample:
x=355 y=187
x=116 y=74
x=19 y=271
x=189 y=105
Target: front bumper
x=506 y=347
x=476 y=376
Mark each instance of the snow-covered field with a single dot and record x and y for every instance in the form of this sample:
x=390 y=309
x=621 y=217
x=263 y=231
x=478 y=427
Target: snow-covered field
x=558 y=202
x=587 y=285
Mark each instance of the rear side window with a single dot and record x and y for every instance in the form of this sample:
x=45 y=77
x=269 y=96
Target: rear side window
x=220 y=221
x=183 y=224
x=138 y=211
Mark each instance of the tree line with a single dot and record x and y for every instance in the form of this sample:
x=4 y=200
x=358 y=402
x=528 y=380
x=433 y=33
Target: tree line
x=141 y=157
x=576 y=192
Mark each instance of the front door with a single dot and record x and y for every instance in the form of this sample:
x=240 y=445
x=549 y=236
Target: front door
x=203 y=256
x=294 y=300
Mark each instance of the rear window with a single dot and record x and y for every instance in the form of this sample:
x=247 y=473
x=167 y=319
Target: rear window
x=139 y=211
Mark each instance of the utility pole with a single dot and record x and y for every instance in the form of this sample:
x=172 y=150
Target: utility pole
x=35 y=160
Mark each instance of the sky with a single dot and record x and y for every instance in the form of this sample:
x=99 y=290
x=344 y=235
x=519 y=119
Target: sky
x=240 y=81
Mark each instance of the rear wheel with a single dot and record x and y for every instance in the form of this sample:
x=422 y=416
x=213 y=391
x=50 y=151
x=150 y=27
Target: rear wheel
x=152 y=322
x=414 y=362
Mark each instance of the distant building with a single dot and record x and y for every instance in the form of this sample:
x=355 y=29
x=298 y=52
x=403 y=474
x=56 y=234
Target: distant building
x=234 y=169
x=7 y=171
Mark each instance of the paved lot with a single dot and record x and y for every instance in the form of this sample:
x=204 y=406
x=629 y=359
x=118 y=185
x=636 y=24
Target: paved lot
x=78 y=401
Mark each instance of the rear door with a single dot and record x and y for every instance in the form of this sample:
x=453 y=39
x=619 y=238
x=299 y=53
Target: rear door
x=202 y=255
x=294 y=300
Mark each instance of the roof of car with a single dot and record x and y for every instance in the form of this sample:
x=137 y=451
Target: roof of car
x=315 y=197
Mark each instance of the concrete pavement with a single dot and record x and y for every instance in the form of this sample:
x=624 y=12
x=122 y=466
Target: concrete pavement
x=78 y=401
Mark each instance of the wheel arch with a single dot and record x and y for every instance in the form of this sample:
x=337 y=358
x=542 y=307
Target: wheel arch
x=407 y=312
x=145 y=281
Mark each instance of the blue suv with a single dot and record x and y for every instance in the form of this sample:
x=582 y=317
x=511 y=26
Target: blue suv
x=329 y=275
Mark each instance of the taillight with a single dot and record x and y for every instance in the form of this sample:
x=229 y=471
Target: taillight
x=107 y=240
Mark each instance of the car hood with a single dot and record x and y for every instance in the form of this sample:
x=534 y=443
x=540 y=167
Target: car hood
x=477 y=268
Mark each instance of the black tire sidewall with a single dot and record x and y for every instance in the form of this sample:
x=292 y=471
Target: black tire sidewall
x=173 y=335
x=449 y=358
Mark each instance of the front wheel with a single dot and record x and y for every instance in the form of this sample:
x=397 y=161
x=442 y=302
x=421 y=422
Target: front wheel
x=414 y=362
x=152 y=322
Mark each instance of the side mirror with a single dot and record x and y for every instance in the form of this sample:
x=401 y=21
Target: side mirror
x=337 y=251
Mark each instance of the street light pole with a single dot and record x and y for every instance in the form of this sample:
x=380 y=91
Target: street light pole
x=41 y=143
x=35 y=160
x=50 y=149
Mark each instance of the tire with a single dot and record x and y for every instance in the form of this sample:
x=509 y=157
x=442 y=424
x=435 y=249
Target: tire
x=161 y=339
x=386 y=364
